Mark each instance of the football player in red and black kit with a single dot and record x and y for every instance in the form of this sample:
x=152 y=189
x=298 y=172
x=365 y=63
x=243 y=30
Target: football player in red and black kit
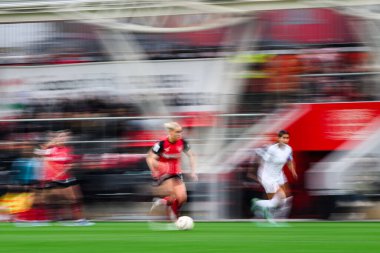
x=58 y=183
x=164 y=161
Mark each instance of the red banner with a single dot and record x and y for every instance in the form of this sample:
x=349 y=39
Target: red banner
x=330 y=125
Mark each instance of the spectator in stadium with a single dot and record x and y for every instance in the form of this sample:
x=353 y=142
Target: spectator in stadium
x=25 y=179
x=164 y=161
x=23 y=168
x=273 y=179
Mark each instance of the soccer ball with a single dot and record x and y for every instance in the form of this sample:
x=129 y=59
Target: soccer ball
x=184 y=223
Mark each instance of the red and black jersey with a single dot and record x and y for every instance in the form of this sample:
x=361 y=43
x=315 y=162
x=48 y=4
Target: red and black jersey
x=170 y=155
x=57 y=161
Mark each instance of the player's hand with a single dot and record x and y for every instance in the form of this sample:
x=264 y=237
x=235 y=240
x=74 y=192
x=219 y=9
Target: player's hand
x=194 y=176
x=295 y=176
x=155 y=174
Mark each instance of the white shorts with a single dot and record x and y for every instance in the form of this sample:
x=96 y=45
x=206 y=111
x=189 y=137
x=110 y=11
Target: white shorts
x=272 y=183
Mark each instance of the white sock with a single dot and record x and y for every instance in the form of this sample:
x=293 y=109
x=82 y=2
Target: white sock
x=276 y=201
x=284 y=210
x=265 y=203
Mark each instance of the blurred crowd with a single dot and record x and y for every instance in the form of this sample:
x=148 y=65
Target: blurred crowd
x=318 y=75
x=90 y=50
x=85 y=107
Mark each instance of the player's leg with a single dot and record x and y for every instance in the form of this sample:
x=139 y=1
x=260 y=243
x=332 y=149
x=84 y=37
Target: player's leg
x=161 y=209
x=275 y=197
x=50 y=198
x=176 y=195
x=276 y=200
x=284 y=210
x=74 y=201
x=75 y=197
x=273 y=190
x=164 y=196
x=60 y=202
x=180 y=193
x=51 y=202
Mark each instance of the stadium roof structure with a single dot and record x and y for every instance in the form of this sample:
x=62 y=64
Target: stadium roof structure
x=42 y=10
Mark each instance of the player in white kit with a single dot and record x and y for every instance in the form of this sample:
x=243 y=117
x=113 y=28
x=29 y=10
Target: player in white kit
x=273 y=179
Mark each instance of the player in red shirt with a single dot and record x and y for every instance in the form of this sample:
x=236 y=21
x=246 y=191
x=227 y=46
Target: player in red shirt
x=57 y=161
x=164 y=161
x=58 y=182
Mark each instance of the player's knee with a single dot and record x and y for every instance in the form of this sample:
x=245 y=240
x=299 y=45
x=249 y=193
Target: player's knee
x=182 y=198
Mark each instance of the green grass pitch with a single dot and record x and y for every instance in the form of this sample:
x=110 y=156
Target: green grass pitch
x=229 y=237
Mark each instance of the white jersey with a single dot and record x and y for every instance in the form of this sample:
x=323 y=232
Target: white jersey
x=275 y=158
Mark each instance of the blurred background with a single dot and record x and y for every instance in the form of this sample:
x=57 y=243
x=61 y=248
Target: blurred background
x=232 y=73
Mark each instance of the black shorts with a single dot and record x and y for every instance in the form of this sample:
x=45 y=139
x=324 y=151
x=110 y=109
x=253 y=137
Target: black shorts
x=159 y=181
x=59 y=183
